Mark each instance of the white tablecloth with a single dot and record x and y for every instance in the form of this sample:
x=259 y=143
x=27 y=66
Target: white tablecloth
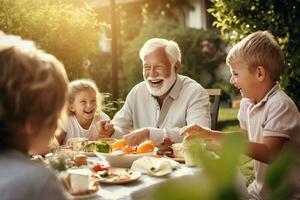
x=142 y=186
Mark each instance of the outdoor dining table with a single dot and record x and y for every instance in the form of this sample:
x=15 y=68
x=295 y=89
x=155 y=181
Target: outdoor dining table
x=140 y=187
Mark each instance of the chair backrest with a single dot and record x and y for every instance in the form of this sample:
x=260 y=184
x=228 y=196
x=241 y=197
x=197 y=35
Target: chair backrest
x=215 y=96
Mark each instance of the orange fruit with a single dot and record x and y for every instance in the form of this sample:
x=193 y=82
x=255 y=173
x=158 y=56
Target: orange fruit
x=118 y=144
x=145 y=147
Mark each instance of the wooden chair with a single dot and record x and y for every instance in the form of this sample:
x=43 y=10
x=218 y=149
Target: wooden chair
x=215 y=96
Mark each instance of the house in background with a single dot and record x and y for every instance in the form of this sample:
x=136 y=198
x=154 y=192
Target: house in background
x=198 y=17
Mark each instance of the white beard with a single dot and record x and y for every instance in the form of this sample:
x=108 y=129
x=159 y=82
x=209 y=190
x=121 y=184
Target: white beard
x=166 y=84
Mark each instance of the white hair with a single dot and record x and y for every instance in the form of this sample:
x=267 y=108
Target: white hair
x=171 y=48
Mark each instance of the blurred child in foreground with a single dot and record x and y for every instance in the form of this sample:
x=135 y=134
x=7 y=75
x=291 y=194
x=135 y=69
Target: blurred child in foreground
x=33 y=89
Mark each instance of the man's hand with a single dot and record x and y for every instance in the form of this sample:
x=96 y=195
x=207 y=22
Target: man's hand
x=137 y=136
x=195 y=129
x=104 y=128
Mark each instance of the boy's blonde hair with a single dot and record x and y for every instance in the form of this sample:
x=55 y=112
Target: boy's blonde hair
x=33 y=85
x=77 y=86
x=259 y=49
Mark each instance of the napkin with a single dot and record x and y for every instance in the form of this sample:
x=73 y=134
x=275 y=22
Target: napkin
x=154 y=166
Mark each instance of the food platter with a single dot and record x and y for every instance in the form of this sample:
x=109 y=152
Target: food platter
x=118 y=176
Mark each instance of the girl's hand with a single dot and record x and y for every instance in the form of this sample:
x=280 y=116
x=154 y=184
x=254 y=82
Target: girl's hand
x=104 y=128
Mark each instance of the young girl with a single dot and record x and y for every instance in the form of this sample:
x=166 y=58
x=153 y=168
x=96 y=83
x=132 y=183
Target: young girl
x=85 y=120
x=33 y=91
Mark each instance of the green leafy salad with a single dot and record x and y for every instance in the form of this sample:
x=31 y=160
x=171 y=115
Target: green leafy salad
x=103 y=147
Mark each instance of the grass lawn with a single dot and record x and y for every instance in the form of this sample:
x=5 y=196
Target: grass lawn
x=228 y=122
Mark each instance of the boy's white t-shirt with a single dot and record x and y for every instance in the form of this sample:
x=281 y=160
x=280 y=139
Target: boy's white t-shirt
x=275 y=115
x=74 y=130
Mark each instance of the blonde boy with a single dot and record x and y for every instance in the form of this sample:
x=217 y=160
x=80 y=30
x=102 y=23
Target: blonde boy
x=267 y=115
x=33 y=88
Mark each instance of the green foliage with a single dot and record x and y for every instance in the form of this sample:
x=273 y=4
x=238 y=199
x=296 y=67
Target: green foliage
x=133 y=16
x=202 y=51
x=110 y=106
x=100 y=71
x=68 y=32
x=169 y=8
x=277 y=177
x=236 y=19
x=247 y=169
x=227 y=120
x=217 y=178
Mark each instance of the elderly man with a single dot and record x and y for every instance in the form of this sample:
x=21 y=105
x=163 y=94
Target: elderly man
x=165 y=102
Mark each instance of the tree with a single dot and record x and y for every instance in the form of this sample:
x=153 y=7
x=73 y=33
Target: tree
x=68 y=32
x=236 y=19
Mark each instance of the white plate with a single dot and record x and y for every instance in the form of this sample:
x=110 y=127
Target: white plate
x=113 y=179
x=85 y=196
x=123 y=160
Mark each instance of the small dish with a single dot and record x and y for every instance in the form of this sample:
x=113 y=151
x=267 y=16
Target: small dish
x=119 y=176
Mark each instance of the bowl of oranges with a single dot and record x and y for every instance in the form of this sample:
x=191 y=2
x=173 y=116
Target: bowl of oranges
x=123 y=155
